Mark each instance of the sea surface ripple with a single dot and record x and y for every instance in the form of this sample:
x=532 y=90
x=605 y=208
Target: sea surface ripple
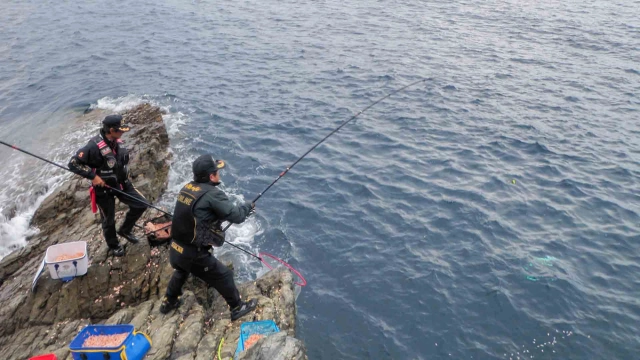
x=489 y=213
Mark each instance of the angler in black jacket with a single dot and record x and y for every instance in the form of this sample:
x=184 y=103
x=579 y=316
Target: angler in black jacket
x=104 y=161
x=196 y=227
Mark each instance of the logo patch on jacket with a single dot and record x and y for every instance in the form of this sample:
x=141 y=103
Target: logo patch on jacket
x=81 y=154
x=105 y=150
x=111 y=163
x=192 y=187
x=177 y=247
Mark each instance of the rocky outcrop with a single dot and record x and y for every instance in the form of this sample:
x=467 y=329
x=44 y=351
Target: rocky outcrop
x=127 y=289
x=194 y=331
x=278 y=346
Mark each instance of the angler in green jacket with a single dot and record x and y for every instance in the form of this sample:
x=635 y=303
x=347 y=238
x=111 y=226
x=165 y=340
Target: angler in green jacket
x=200 y=209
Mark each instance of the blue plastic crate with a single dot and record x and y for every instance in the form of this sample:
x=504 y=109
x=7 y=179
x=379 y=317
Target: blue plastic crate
x=264 y=327
x=134 y=347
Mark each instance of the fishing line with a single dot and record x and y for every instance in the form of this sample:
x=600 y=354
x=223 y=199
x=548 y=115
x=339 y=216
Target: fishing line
x=286 y=170
x=302 y=281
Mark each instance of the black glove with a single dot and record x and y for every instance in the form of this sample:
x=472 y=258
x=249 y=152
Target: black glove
x=252 y=208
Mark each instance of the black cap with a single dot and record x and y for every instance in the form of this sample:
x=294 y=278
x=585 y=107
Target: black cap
x=205 y=165
x=115 y=121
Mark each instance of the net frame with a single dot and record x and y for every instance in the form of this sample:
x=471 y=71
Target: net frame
x=264 y=254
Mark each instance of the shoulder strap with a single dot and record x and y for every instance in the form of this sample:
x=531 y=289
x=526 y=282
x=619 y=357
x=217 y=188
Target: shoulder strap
x=204 y=189
x=98 y=140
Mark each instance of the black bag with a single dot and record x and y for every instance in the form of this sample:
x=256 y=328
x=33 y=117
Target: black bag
x=209 y=234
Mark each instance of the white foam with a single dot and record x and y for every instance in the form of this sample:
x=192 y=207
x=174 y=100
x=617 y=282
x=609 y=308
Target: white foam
x=174 y=121
x=244 y=234
x=14 y=231
x=119 y=104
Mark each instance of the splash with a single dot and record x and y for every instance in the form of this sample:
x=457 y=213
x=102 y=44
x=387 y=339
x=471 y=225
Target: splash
x=119 y=104
x=174 y=121
x=27 y=186
x=14 y=232
x=244 y=236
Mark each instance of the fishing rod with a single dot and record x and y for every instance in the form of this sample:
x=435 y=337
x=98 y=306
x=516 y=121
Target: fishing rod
x=283 y=173
x=114 y=189
x=326 y=137
x=66 y=168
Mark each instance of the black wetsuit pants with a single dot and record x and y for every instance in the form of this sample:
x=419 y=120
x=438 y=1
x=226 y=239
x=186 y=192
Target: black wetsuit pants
x=187 y=260
x=106 y=200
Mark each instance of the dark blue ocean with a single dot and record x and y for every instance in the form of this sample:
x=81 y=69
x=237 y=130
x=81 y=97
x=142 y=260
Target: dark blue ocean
x=491 y=212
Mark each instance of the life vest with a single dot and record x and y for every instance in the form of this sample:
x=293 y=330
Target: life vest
x=186 y=229
x=114 y=170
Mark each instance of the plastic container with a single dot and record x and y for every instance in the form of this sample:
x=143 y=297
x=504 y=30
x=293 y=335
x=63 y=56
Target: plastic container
x=44 y=357
x=264 y=327
x=134 y=347
x=66 y=270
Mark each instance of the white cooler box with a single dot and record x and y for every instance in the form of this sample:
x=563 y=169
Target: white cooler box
x=75 y=262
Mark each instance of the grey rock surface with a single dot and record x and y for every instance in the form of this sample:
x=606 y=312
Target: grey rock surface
x=276 y=346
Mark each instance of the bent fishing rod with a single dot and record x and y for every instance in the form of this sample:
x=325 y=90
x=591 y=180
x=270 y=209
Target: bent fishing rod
x=109 y=187
x=286 y=170
x=69 y=170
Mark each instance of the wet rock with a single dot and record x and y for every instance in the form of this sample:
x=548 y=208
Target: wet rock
x=191 y=330
x=276 y=346
x=208 y=345
x=9 y=211
x=40 y=189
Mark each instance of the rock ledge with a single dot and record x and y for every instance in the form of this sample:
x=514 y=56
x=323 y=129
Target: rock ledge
x=128 y=289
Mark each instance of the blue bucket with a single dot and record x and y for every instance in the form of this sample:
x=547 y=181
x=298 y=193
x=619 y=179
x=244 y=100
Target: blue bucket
x=264 y=327
x=134 y=347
